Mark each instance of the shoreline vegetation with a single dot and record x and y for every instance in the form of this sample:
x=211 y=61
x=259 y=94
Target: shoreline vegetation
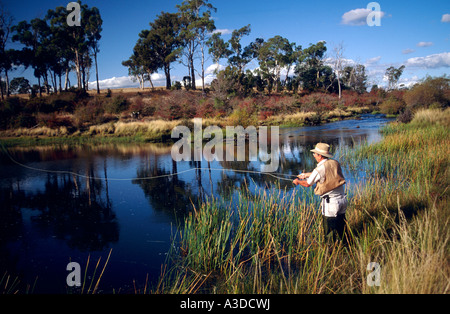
x=135 y=116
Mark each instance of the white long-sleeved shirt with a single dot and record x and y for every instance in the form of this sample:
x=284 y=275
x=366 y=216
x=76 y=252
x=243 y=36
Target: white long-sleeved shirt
x=338 y=200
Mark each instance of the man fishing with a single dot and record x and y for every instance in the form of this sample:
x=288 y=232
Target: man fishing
x=330 y=183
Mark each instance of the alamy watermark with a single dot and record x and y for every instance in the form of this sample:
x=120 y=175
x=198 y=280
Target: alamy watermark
x=374 y=17
x=73 y=279
x=74 y=17
x=374 y=277
x=235 y=136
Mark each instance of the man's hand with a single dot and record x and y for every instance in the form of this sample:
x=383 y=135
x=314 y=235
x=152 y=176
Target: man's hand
x=301 y=182
x=304 y=176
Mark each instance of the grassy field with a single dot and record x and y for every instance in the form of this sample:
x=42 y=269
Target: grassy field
x=273 y=242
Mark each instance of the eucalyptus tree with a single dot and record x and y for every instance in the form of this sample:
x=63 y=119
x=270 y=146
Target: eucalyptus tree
x=145 y=57
x=164 y=40
x=274 y=55
x=50 y=45
x=393 y=75
x=20 y=85
x=196 y=25
x=93 y=28
x=33 y=36
x=218 y=48
x=135 y=70
x=338 y=61
x=310 y=69
x=239 y=56
x=6 y=21
x=61 y=35
x=355 y=78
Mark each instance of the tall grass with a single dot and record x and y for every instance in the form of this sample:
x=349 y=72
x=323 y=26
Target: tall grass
x=270 y=241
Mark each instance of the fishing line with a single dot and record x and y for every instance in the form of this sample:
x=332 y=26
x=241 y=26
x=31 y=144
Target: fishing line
x=276 y=176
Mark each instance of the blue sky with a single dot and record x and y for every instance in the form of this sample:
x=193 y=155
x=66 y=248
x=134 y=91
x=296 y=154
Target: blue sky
x=413 y=33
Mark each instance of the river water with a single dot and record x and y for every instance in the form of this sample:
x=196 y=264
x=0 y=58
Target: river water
x=62 y=204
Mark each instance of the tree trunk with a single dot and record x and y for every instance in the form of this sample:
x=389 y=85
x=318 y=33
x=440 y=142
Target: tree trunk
x=96 y=71
x=203 y=68
x=77 y=67
x=66 y=79
x=339 y=85
x=167 y=73
x=55 y=85
x=7 y=83
x=39 y=84
x=83 y=72
x=150 y=79
x=141 y=81
x=192 y=73
x=1 y=87
x=317 y=79
x=287 y=75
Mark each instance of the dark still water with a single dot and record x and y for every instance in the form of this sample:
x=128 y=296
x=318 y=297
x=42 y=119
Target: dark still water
x=61 y=204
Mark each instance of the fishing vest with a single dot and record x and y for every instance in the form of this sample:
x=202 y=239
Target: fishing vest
x=331 y=177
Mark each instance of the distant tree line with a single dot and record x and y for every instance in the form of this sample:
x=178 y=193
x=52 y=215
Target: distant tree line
x=188 y=34
x=51 y=48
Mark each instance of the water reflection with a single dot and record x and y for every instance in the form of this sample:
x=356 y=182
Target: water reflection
x=86 y=199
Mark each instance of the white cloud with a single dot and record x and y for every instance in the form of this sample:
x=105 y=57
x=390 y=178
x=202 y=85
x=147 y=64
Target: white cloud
x=208 y=79
x=357 y=17
x=408 y=51
x=223 y=31
x=114 y=82
x=445 y=18
x=373 y=61
x=424 y=44
x=408 y=81
x=157 y=77
x=126 y=81
x=440 y=60
x=213 y=67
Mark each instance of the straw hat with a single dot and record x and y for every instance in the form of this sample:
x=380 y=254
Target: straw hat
x=322 y=149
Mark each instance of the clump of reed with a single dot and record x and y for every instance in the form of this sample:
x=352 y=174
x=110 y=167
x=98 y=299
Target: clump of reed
x=293 y=119
x=266 y=242
x=37 y=131
x=149 y=130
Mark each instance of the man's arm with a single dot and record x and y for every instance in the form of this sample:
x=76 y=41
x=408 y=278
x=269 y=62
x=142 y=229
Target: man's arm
x=301 y=182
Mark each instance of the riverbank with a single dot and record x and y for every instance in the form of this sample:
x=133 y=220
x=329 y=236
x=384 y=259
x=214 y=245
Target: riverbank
x=271 y=243
x=150 y=116
x=159 y=130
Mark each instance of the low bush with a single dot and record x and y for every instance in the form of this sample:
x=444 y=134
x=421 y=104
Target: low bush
x=392 y=106
x=431 y=93
x=116 y=104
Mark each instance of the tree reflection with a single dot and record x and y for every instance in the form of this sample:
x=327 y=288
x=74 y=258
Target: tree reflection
x=169 y=193
x=68 y=208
